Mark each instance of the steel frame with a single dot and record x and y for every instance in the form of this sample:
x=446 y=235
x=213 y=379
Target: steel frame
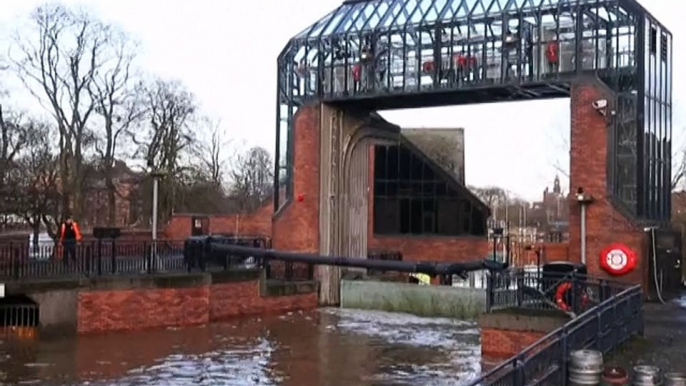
x=414 y=53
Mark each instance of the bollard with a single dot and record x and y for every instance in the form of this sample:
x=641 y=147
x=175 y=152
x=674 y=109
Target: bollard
x=585 y=367
x=647 y=376
x=615 y=376
x=675 y=379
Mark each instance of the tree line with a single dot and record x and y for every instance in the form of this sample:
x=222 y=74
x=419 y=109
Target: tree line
x=102 y=110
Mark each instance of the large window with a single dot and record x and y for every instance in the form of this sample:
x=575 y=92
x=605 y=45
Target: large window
x=414 y=196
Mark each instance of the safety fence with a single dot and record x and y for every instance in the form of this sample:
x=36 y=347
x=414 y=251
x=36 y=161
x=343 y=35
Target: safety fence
x=20 y=261
x=605 y=314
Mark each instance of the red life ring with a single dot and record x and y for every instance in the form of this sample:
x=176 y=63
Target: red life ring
x=560 y=297
x=617 y=259
x=551 y=52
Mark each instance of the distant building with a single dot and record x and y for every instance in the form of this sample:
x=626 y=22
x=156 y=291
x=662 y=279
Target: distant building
x=551 y=215
x=445 y=147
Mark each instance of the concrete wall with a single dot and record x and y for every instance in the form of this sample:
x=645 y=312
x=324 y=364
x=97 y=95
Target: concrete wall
x=460 y=303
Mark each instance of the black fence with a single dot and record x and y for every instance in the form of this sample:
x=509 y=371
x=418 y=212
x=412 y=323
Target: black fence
x=609 y=313
x=21 y=261
x=571 y=292
x=89 y=258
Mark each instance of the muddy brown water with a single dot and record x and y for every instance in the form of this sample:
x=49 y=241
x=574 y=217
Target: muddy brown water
x=324 y=347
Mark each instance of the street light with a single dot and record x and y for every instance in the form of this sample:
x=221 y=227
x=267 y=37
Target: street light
x=156 y=175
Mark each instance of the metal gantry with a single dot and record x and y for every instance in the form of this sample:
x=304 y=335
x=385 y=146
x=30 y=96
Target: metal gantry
x=412 y=53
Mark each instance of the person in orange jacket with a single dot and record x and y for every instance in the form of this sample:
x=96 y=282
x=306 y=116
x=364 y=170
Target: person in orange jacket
x=70 y=234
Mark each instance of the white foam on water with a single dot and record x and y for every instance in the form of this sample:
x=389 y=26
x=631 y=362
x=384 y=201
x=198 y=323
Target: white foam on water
x=457 y=339
x=242 y=366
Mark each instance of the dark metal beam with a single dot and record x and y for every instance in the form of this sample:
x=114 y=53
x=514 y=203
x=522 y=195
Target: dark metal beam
x=429 y=268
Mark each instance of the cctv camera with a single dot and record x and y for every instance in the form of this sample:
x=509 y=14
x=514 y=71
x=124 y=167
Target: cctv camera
x=600 y=104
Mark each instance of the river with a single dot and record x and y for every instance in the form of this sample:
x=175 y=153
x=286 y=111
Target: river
x=324 y=347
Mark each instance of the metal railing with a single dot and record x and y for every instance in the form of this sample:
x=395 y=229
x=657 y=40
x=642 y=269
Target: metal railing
x=609 y=313
x=538 y=290
x=21 y=261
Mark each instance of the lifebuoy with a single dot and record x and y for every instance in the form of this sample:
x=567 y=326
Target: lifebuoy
x=560 y=297
x=551 y=52
x=617 y=259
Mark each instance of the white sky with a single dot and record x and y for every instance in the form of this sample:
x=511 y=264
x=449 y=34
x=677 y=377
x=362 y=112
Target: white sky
x=225 y=52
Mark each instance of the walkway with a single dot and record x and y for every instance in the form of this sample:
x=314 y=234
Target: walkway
x=664 y=344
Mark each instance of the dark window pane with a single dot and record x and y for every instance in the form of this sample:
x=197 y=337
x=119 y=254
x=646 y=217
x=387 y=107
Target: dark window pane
x=653 y=39
x=404 y=216
x=392 y=189
x=441 y=189
x=416 y=217
x=379 y=189
x=386 y=216
x=428 y=188
x=448 y=222
x=427 y=173
x=404 y=189
x=466 y=217
x=392 y=159
x=416 y=168
x=417 y=189
x=404 y=168
x=380 y=162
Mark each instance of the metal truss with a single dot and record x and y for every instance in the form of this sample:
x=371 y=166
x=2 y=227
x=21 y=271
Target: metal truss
x=412 y=53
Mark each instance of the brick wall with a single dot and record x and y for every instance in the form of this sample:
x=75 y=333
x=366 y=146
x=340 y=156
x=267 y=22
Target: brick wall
x=497 y=343
x=138 y=309
x=296 y=226
x=144 y=308
x=551 y=252
x=588 y=169
x=256 y=223
x=439 y=248
x=240 y=299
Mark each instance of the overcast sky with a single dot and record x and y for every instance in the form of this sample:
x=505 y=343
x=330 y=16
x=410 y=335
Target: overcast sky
x=225 y=52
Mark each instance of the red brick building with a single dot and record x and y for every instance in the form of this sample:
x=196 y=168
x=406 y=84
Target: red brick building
x=418 y=209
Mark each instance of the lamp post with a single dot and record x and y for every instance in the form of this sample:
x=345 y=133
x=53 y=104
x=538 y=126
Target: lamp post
x=156 y=175
x=583 y=199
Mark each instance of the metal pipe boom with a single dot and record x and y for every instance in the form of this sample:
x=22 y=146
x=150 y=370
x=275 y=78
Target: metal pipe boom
x=428 y=268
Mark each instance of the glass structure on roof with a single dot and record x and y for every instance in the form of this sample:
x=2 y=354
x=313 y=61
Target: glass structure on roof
x=382 y=54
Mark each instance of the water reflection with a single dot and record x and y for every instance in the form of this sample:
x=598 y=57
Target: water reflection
x=327 y=347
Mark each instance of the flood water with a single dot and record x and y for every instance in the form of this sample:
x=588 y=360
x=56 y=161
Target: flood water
x=324 y=347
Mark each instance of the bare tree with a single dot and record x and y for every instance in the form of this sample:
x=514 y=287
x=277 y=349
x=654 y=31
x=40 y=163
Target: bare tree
x=252 y=178
x=35 y=184
x=492 y=196
x=117 y=103
x=162 y=144
x=678 y=170
x=212 y=155
x=58 y=62
x=13 y=138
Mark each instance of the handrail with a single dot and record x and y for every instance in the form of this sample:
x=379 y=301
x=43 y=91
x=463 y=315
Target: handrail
x=510 y=371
